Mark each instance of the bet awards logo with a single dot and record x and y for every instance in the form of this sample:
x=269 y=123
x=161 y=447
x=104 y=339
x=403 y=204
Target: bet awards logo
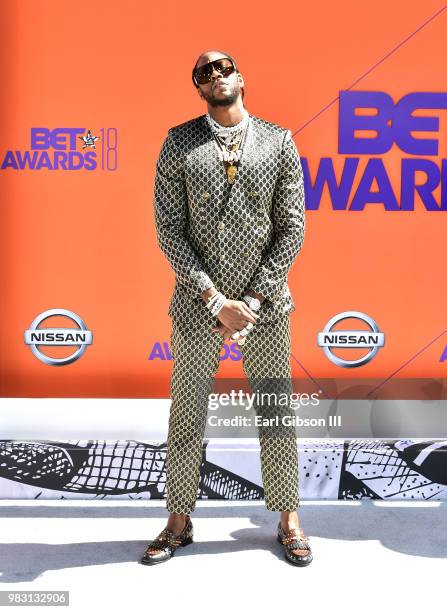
x=371 y=125
x=37 y=336
x=57 y=149
x=330 y=339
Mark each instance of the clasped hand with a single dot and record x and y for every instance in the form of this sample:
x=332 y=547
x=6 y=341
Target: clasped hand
x=236 y=319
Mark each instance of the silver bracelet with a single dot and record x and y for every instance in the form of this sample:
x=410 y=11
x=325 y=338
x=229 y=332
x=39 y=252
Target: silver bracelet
x=212 y=299
x=218 y=305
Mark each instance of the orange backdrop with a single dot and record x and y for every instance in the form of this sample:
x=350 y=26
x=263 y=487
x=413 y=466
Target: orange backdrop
x=85 y=240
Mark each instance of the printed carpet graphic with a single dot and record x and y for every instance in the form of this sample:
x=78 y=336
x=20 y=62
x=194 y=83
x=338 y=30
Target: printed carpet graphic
x=123 y=469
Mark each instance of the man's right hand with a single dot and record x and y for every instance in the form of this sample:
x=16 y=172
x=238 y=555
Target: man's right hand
x=235 y=314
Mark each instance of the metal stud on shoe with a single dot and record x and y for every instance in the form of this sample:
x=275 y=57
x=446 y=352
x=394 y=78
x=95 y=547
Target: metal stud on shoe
x=292 y=539
x=167 y=543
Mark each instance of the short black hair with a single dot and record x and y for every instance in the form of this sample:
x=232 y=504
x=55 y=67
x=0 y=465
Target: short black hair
x=224 y=55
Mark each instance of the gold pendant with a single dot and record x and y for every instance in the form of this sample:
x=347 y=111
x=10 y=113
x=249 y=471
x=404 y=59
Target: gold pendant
x=231 y=174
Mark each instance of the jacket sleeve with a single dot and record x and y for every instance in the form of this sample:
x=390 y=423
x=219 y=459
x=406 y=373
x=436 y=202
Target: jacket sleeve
x=171 y=215
x=288 y=210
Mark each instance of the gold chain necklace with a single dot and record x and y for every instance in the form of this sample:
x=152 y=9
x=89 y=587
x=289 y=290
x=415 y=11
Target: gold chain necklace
x=230 y=153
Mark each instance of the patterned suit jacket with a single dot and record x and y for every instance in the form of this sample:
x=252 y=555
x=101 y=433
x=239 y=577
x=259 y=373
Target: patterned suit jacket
x=235 y=237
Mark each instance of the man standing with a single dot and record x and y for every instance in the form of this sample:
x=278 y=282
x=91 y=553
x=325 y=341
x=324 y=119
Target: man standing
x=229 y=213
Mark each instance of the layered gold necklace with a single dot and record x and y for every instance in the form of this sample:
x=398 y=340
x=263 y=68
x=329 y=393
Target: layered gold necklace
x=229 y=141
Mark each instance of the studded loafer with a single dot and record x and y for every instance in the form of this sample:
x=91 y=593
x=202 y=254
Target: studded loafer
x=292 y=539
x=166 y=543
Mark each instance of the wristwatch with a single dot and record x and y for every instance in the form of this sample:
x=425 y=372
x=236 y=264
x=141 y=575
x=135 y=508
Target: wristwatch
x=252 y=302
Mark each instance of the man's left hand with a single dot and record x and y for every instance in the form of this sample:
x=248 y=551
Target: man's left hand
x=223 y=330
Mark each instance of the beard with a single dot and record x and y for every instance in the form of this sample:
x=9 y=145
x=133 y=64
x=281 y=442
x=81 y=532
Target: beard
x=225 y=100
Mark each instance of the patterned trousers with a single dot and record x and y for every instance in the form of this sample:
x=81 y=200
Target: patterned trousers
x=266 y=357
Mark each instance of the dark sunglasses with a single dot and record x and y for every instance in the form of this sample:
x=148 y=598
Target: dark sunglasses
x=202 y=75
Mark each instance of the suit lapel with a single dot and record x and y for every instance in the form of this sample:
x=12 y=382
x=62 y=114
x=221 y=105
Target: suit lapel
x=209 y=150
